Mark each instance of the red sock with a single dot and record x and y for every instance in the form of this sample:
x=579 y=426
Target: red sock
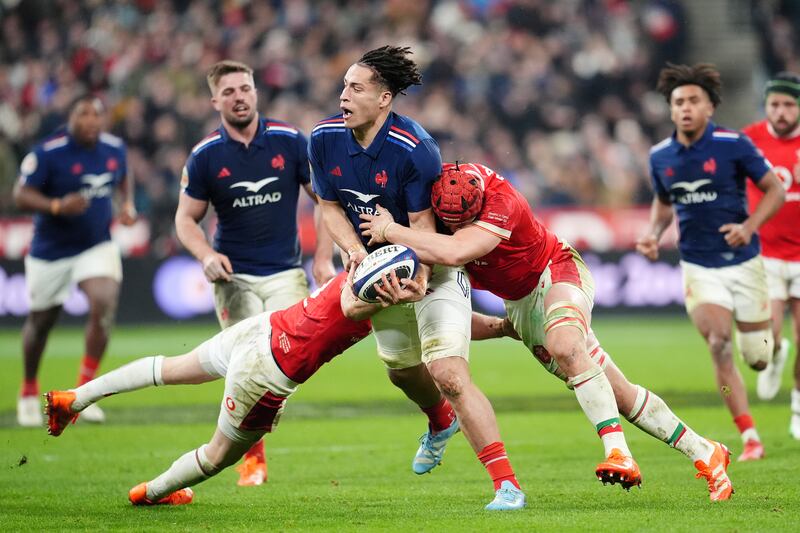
x=440 y=416
x=88 y=369
x=496 y=462
x=744 y=422
x=30 y=387
x=257 y=451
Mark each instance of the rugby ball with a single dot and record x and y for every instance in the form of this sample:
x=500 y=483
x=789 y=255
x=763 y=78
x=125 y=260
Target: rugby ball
x=393 y=257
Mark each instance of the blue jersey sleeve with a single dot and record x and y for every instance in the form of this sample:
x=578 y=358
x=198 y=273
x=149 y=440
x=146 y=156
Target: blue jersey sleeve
x=658 y=186
x=197 y=184
x=303 y=171
x=751 y=162
x=425 y=165
x=33 y=170
x=319 y=179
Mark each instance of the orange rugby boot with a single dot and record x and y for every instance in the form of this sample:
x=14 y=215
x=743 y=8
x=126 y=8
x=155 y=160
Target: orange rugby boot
x=138 y=496
x=753 y=451
x=619 y=468
x=716 y=473
x=58 y=411
x=252 y=472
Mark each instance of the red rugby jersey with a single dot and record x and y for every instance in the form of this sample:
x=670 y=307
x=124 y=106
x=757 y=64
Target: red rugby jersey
x=780 y=235
x=512 y=269
x=313 y=331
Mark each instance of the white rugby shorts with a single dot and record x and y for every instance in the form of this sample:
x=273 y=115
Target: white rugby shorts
x=255 y=387
x=783 y=278
x=742 y=288
x=247 y=295
x=49 y=282
x=438 y=326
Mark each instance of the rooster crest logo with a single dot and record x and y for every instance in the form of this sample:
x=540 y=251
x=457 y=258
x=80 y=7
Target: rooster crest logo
x=278 y=162
x=382 y=179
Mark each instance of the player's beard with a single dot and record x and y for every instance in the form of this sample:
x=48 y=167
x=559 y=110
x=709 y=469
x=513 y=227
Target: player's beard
x=783 y=127
x=241 y=123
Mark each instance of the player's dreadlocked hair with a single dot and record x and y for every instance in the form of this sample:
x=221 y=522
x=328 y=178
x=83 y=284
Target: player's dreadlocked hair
x=703 y=74
x=392 y=68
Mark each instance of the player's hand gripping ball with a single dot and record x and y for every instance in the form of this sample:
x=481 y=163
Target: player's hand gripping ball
x=391 y=258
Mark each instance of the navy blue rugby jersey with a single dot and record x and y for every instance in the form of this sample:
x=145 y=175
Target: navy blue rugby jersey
x=59 y=166
x=706 y=184
x=254 y=191
x=395 y=171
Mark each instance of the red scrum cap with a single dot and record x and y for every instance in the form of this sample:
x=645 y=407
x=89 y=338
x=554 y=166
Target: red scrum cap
x=457 y=196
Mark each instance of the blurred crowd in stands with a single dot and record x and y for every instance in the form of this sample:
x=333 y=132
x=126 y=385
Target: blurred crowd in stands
x=558 y=96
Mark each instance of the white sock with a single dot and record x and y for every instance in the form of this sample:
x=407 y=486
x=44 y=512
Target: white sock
x=145 y=372
x=596 y=397
x=654 y=417
x=750 y=434
x=795 y=406
x=187 y=470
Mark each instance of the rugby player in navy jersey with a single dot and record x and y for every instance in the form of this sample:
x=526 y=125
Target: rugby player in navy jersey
x=68 y=182
x=700 y=172
x=368 y=155
x=251 y=169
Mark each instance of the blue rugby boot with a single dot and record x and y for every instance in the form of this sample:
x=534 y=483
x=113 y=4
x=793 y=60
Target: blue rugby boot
x=431 y=448
x=507 y=498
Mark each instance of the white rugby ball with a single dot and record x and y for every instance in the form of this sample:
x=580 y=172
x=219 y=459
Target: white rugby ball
x=393 y=257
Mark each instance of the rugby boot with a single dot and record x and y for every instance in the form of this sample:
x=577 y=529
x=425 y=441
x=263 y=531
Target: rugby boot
x=619 y=468
x=58 y=410
x=252 y=472
x=769 y=379
x=716 y=473
x=507 y=498
x=138 y=496
x=753 y=451
x=431 y=448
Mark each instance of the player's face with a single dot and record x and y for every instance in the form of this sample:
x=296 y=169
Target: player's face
x=690 y=109
x=86 y=121
x=236 y=100
x=782 y=113
x=362 y=99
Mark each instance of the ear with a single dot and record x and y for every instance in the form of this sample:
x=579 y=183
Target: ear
x=385 y=99
x=215 y=103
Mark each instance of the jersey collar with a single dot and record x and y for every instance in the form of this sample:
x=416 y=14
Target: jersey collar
x=259 y=139
x=353 y=148
x=699 y=144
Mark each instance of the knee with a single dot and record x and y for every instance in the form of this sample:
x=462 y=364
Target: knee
x=102 y=311
x=566 y=351
x=451 y=380
x=756 y=347
x=720 y=346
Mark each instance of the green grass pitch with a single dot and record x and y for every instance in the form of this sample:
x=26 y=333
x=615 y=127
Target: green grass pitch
x=340 y=459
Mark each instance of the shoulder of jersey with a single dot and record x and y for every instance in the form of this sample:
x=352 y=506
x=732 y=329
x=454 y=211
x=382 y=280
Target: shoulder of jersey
x=406 y=133
x=756 y=129
x=277 y=127
x=55 y=141
x=661 y=145
x=215 y=137
x=334 y=124
x=111 y=140
x=725 y=135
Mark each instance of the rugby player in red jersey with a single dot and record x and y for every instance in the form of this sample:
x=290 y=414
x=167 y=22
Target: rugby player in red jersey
x=778 y=138
x=263 y=360
x=548 y=294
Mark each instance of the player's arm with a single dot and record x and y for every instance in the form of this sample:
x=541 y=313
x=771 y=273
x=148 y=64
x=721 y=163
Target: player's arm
x=28 y=198
x=661 y=214
x=342 y=232
x=127 y=212
x=190 y=212
x=467 y=244
x=491 y=327
x=393 y=291
x=774 y=196
x=322 y=264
